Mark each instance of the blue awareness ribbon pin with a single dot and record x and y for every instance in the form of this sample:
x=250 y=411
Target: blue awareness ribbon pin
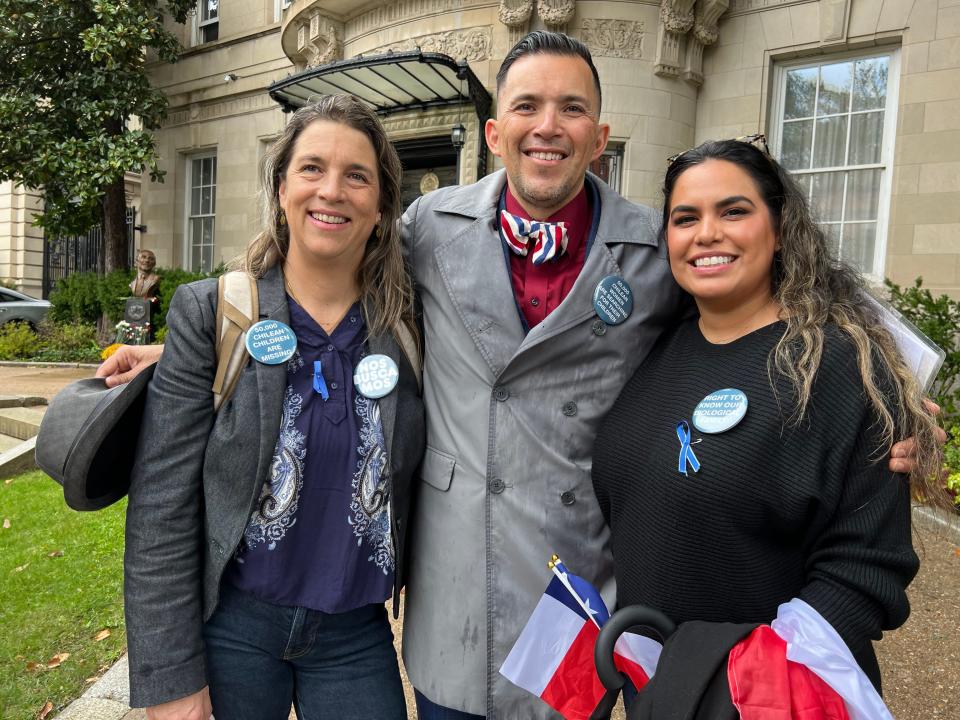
x=319 y=384
x=686 y=452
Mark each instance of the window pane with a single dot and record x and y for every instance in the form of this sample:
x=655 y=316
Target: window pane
x=835 y=81
x=830 y=147
x=804 y=182
x=206 y=202
x=195 y=171
x=195 y=201
x=206 y=166
x=195 y=258
x=866 y=138
x=207 y=231
x=832 y=231
x=801 y=93
x=858 y=242
x=795 y=150
x=207 y=258
x=870 y=84
x=863 y=195
x=827 y=197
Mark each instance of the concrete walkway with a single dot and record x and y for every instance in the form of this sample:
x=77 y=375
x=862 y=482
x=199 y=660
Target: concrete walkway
x=920 y=661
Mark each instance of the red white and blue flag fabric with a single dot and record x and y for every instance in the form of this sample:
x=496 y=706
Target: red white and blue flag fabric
x=549 y=239
x=553 y=657
x=799 y=667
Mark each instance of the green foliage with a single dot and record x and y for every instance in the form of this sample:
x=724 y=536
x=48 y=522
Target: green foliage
x=54 y=342
x=75 y=299
x=67 y=342
x=170 y=280
x=17 y=341
x=939 y=319
x=84 y=297
x=62 y=585
x=71 y=75
x=160 y=336
x=951 y=458
x=113 y=289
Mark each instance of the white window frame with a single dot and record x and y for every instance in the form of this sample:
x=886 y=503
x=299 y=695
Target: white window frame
x=278 y=7
x=189 y=214
x=199 y=23
x=887 y=155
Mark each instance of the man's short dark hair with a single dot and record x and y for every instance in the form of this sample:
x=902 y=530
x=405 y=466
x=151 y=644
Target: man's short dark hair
x=540 y=42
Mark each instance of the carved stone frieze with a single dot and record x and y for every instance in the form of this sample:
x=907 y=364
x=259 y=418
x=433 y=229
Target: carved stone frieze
x=556 y=13
x=319 y=40
x=513 y=13
x=472 y=44
x=212 y=111
x=399 y=11
x=613 y=38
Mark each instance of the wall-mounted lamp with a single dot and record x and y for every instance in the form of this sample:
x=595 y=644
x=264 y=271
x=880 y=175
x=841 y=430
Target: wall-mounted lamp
x=458 y=136
x=230 y=77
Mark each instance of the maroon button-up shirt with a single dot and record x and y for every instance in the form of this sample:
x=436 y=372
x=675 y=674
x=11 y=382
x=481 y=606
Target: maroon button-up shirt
x=540 y=289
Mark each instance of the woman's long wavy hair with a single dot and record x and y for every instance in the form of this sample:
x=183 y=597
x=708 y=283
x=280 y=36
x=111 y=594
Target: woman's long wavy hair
x=386 y=292
x=814 y=290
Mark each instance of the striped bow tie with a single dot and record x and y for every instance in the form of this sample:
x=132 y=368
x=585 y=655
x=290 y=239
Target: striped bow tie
x=549 y=239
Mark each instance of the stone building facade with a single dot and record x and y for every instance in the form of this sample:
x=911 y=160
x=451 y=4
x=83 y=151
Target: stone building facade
x=861 y=98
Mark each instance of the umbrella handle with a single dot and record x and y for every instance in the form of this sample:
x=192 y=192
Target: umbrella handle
x=621 y=621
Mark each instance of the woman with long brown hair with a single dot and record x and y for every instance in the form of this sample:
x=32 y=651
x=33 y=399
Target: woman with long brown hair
x=745 y=463
x=263 y=538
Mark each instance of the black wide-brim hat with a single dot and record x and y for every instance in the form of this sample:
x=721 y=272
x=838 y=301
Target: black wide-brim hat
x=88 y=439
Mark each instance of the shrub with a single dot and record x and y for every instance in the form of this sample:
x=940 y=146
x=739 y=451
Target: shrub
x=67 y=342
x=951 y=457
x=939 y=319
x=84 y=297
x=17 y=341
x=75 y=299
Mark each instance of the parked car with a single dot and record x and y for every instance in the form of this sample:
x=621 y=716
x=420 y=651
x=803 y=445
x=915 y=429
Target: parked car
x=17 y=307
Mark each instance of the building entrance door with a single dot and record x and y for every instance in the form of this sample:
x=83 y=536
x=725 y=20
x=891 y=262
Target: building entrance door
x=427 y=164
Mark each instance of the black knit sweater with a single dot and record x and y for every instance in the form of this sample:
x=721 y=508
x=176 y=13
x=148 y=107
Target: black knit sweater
x=776 y=511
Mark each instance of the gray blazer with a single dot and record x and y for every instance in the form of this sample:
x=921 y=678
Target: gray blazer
x=198 y=476
x=511 y=419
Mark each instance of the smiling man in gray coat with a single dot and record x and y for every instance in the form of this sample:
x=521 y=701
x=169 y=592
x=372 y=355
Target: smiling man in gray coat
x=519 y=370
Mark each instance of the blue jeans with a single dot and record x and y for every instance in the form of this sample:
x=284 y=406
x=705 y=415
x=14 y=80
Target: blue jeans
x=261 y=657
x=429 y=710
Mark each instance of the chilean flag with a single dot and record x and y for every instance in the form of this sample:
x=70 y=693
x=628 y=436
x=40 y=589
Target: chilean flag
x=553 y=657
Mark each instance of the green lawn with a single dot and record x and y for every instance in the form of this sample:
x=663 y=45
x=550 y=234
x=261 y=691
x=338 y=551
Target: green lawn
x=61 y=580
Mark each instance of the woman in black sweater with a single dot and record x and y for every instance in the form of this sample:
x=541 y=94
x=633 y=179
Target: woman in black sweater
x=721 y=514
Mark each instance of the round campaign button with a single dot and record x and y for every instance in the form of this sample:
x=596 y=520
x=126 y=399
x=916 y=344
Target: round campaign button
x=720 y=410
x=271 y=342
x=375 y=376
x=613 y=300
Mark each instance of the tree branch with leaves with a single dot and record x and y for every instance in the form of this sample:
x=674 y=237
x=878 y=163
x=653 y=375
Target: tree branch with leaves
x=72 y=76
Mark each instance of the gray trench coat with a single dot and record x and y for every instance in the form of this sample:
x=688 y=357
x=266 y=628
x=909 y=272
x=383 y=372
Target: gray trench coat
x=511 y=419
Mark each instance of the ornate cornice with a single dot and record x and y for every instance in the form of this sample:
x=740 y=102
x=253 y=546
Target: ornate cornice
x=613 y=38
x=472 y=44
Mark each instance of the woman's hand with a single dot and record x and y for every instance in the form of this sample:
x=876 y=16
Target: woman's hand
x=191 y=707
x=127 y=362
x=902 y=454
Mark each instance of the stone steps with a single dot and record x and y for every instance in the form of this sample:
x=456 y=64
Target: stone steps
x=19 y=424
